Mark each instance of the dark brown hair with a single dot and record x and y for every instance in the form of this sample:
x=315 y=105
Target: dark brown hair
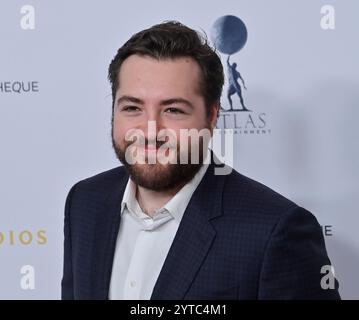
x=170 y=40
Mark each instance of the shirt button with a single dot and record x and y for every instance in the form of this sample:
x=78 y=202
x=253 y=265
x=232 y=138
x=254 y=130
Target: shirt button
x=132 y=283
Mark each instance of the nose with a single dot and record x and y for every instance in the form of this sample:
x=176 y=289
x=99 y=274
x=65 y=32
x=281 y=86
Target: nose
x=153 y=124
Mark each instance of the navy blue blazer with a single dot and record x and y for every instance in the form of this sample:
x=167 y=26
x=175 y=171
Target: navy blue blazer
x=238 y=239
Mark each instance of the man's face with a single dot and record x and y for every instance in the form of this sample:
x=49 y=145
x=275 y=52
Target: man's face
x=165 y=93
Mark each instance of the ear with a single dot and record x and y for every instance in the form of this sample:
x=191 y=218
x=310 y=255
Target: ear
x=214 y=115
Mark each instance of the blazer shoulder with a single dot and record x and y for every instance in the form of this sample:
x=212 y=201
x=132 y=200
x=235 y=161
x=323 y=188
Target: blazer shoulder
x=247 y=195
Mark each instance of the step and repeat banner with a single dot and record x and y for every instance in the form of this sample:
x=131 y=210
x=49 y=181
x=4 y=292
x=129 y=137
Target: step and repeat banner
x=294 y=116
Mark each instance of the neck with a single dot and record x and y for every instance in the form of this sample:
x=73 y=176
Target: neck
x=151 y=200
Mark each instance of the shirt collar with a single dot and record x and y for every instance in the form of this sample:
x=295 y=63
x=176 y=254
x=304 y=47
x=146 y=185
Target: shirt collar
x=177 y=205
x=129 y=196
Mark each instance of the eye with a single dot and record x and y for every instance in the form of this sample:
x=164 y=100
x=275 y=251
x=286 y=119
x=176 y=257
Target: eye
x=130 y=108
x=174 y=111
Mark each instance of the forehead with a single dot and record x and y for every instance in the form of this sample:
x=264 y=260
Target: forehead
x=147 y=75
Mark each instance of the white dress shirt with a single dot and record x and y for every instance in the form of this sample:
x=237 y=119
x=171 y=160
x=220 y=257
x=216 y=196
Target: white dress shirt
x=143 y=242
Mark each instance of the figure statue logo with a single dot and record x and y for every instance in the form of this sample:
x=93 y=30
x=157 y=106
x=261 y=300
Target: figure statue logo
x=229 y=35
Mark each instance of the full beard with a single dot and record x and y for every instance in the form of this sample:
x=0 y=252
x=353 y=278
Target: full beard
x=158 y=176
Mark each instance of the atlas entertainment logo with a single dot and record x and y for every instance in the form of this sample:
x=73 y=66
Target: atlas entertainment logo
x=229 y=35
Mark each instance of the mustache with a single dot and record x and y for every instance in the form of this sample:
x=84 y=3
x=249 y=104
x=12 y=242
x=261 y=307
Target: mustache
x=144 y=142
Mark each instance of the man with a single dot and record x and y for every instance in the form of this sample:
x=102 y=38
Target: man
x=156 y=230
x=234 y=86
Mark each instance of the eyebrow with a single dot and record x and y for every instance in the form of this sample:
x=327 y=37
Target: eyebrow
x=165 y=102
x=129 y=99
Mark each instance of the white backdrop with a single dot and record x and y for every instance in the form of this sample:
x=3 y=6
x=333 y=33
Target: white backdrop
x=300 y=67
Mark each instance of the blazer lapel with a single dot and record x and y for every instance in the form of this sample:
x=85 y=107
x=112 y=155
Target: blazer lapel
x=106 y=227
x=192 y=241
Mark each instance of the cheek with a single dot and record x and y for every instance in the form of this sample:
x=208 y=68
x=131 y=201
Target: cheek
x=119 y=130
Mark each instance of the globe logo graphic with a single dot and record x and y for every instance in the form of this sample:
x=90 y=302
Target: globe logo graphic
x=229 y=34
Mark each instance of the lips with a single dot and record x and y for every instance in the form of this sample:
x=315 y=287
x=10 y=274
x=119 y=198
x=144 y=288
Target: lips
x=150 y=147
